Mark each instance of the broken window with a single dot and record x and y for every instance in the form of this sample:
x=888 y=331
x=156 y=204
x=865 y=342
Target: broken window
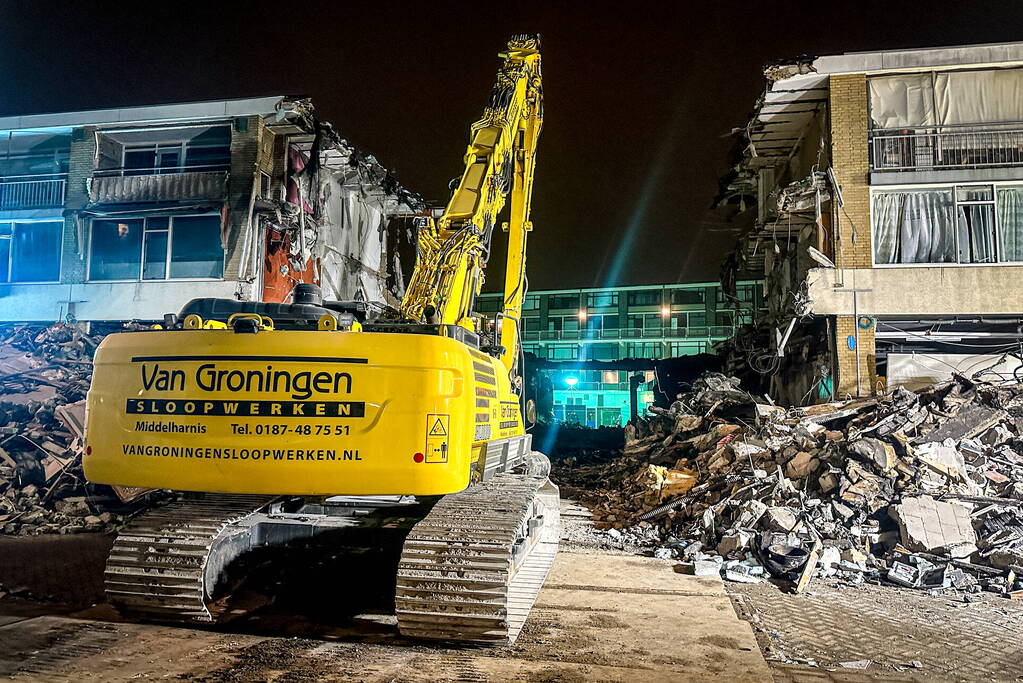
x=156 y=248
x=30 y=251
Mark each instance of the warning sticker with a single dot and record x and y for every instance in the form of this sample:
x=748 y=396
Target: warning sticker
x=438 y=427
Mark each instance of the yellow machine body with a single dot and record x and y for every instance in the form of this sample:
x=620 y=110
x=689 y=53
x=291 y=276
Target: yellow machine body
x=294 y=412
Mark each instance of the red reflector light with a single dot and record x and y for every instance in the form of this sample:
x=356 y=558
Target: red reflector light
x=88 y=450
x=418 y=457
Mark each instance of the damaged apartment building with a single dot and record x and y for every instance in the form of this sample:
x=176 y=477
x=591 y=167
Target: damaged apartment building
x=126 y=214
x=886 y=190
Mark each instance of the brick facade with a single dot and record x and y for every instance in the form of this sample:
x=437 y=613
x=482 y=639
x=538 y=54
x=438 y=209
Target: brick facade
x=845 y=358
x=852 y=234
x=81 y=164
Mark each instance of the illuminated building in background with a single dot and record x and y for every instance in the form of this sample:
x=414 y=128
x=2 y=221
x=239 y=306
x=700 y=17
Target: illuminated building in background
x=616 y=323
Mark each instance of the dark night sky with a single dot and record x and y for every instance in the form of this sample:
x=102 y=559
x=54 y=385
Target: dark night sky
x=637 y=98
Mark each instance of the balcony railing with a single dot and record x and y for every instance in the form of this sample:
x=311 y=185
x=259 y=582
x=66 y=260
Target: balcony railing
x=925 y=149
x=32 y=192
x=195 y=185
x=718 y=331
x=161 y=170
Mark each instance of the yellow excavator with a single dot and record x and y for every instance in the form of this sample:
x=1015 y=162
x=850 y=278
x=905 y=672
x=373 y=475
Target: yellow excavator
x=293 y=420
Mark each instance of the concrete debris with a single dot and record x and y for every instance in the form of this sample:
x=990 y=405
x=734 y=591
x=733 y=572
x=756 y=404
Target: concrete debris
x=44 y=376
x=922 y=490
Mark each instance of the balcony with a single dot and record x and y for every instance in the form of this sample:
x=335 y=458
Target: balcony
x=722 y=332
x=178 y=184
x=928 y=149
x=32 y=192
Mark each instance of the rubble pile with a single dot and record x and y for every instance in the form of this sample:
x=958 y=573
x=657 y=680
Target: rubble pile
x=923 y=490
x=44 y=377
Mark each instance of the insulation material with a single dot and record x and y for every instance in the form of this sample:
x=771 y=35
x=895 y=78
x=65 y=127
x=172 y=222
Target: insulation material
x=353 y=245
x=915 y=370
x=901 y=101
x=994 y=96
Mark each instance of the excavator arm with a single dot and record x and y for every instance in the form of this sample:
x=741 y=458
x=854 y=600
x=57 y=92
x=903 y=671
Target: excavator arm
x=454 y=249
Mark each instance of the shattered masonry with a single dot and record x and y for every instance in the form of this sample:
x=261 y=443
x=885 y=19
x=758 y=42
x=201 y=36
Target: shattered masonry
x=923 y=490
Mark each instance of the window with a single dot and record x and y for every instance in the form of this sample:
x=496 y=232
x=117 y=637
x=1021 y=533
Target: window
x=264 y=185
x=603 y=352
x=33 y=156
x=30 y=251
x=562 y=352
x=697 y=320
x=531 y=348
x=166 y=150
x=723 y=319
x=643 y=350
x=602 y=299
x=563 y=323
x=562 y=301
x=157 y=248
x=688 y=296
x=488 y=304
x=650 y=297
x=531 y=324
x=961 y=224
x=531 y=302
x=687 y=348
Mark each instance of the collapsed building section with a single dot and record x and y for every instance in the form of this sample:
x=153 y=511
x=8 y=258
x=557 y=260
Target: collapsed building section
x=127 y=213
x=881 y=196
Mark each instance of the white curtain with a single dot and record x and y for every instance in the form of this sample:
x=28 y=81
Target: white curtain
x=946 y=98
x=993 y=96
x=901 y=101
x=1010 y=223
x=976 y=233
x=914 y=227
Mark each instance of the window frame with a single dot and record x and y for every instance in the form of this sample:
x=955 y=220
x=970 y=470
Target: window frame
x=142 y=250
x=592 y=299
x=14 y=223
x=953 y=188
x=181 y=145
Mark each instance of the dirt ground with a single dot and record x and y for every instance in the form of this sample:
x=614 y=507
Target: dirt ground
x=604 y=615
x=601 y=616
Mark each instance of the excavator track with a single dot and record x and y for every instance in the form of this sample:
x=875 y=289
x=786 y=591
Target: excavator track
x=160 y=567
x=471 y=569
